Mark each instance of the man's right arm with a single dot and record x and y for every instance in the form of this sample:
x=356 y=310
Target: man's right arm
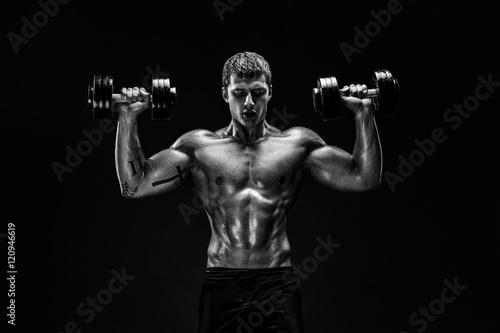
x=139 y=177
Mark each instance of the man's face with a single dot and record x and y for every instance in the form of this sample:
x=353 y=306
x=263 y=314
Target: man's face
x=247 y=99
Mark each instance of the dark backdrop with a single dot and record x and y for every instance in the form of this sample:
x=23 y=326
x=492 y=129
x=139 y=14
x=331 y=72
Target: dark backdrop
x=398 y=244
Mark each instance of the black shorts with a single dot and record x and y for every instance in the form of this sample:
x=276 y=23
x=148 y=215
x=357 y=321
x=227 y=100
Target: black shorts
x=236 y=300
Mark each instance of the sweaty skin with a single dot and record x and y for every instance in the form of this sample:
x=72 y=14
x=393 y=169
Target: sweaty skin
x=249 y=173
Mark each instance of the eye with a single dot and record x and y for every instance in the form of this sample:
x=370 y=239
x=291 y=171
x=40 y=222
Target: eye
x=258 y=92
x=239 y=93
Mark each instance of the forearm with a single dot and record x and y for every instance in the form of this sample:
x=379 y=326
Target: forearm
x=129 y=158
x=367 y=152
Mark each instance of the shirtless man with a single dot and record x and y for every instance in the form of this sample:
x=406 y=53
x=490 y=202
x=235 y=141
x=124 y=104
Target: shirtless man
x=248 y=175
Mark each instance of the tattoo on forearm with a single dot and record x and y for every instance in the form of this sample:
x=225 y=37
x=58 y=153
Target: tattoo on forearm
x=129 y=191
x=171 y=179
x=136 y=165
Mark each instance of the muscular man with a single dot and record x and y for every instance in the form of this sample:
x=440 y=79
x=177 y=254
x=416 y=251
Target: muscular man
x=247 y=175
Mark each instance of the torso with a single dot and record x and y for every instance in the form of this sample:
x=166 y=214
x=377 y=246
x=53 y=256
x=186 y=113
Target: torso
x=247 y=190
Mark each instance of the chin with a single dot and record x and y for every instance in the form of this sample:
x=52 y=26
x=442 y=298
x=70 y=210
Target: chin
x=248 y=122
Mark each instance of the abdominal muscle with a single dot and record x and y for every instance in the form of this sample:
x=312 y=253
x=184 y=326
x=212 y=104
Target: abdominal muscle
x=248 y=231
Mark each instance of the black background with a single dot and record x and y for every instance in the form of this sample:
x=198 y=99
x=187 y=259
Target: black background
x=397 y=247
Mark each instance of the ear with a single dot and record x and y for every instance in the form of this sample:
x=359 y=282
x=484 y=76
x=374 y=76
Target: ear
x=270 y=92
x=224 y=94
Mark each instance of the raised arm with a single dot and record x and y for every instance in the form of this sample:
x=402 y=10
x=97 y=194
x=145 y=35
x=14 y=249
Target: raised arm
x=359 y=171
x=139 y=177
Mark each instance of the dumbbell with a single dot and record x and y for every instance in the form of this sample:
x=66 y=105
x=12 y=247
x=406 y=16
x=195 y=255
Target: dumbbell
x=327 y=95
x=162 y=100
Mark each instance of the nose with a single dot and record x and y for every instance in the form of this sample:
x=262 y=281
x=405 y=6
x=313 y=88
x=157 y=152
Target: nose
x=249 y=102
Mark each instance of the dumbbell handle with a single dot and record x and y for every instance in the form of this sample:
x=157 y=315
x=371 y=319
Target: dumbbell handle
x=117 y=98
x=366 y=93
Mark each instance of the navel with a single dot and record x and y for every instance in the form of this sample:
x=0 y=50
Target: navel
x=218 y=180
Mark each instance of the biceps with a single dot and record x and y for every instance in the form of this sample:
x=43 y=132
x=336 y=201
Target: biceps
x=332 y=167
x=164 y=172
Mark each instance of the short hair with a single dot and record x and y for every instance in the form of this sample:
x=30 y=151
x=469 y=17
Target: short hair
x=246 y=65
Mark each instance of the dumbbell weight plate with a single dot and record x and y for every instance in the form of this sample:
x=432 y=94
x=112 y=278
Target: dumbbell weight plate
x=169 y=97
x=154 y=93
x=377 y=83
x=108 y=89
x=323 y=98
x=97 y=101
x=164 y=99
x=394 y=90
x=161 y=90
x=106 y=96
x=334 y=98
x=172 y=99
x=327 y=98
x=326 y=93
x=319 y=106
x=100 y=97
x=165 y=92
x=388 y=91
x=90 y=96
x=155 y=97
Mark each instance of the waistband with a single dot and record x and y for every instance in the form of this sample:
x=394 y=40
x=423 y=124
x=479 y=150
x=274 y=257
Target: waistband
x=272 y=271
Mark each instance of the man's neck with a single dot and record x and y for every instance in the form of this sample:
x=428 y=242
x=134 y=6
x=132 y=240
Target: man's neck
x=248 y=134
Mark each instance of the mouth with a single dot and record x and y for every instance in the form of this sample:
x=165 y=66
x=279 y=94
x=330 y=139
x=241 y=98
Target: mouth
x=249 y=114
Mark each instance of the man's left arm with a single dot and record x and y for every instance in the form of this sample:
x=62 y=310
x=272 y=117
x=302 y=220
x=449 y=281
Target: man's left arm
x=359 y=171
